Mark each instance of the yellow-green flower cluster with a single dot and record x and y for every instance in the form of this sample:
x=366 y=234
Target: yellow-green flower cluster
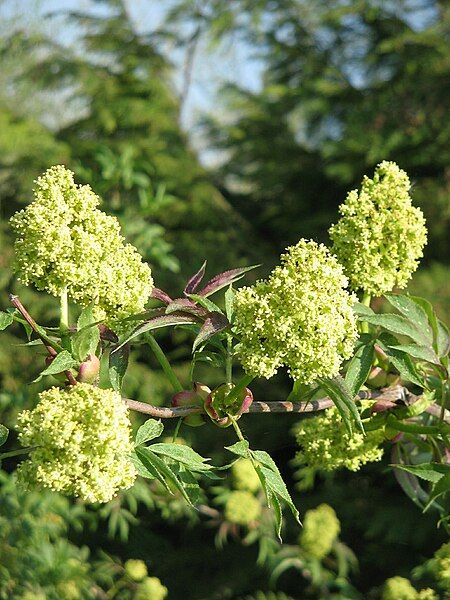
x=326 y=444
x=136 y=569
x=320 y=530
x=399 y=588
x=244 y=476
x=151 y=589
x=300 y=317
x=64 y=242
x=83 y=440
x=242 y=508
x=440 y=566
x=380 y=235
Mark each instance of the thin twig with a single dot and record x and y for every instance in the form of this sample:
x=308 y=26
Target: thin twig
x=15 y=301
x=392 y=394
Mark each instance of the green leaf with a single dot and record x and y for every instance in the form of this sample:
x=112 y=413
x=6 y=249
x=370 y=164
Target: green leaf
x=85 y=341
x=118 y=364
x=205 y=302
x=62 y=362
x=240 y=448
x=428 y=471
x=343 y=399
x=361 y=310
x=229 y=302
x=4 y=432
x=404 y=365
x=140 y=468
x=442 y=339
x=183 y=454
x=150 y=430
x=86 y=318
x=5 y=320
x=399 y=325
x=439 y=488
x=359 y=368
x=157 y=323
x=161 y=471
x=420 y=352
x=414 y=312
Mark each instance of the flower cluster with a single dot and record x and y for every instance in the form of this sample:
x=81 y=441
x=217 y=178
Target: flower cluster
x=136 y=569
x=300 y=317
x=400 y=588
x=151 y=588
x=65 y=243
x=326 y=444
x=439 y=567
x=244 y=476
x=380 y=236
x=242 y=508
x=320 y=530
x=83 y=440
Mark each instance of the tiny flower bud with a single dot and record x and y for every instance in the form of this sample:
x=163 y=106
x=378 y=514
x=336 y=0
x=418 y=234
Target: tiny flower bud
x=89 y=370
x=218 y=405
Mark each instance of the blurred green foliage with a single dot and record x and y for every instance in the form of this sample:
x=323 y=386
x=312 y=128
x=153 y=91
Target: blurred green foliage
x=344 y=86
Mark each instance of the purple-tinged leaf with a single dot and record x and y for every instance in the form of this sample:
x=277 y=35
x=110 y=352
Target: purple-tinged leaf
x=106 y=334
x=224 y=279
x=157 y=323
x=160 y=295
x=186 y=306
x=214 y=323
x=195 y=280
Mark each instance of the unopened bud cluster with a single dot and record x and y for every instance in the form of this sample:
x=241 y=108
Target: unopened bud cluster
x=321 y=527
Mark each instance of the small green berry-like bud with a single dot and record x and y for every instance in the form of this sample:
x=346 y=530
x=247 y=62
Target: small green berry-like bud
x=320 y=530
x=136 y=569
x=89 y=370
x=242 y=508
x=244 y=476
x=83 y=439
x=151 y=589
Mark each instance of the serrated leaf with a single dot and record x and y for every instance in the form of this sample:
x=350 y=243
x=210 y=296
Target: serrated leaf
x=62 y=362
x=399 y=325
x=150 y=430
x=442 y=339
x=344 y=401
x=4 y=432
x=404 y=365
x=420 y=352
x=183 y=454
x=160 y=295
x=359 y=368
x=428 y=471
x=140 y=468
x=85 y=341
x=214 y=323
x=185 y=305
x=224 y=279
x=86 y=318
x=414 y=312
x=5 y=320
x=195 y=280
x=239 y=448
x=117 y=366
x=361 y=310
x=157 y=323
x=161 y=471
x=439 y=488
